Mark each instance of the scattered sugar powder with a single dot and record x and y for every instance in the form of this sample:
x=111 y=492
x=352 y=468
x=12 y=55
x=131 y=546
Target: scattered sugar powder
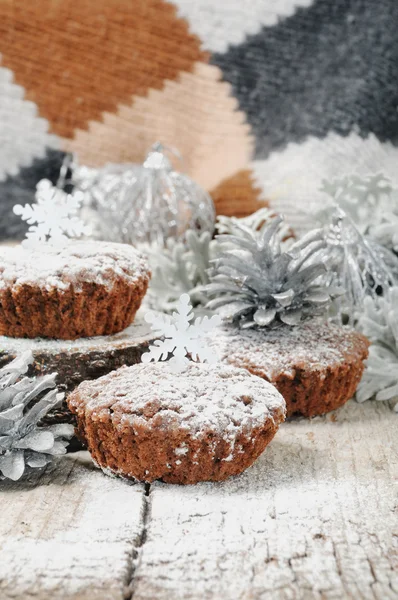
x=270 y=352
x=218 y=398
x=102 y=263
x=229 y=458
x=181 y=450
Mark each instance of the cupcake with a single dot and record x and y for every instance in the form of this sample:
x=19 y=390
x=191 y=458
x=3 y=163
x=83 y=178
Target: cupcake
x=207 y=423
x=316 y=365
x=84 y=289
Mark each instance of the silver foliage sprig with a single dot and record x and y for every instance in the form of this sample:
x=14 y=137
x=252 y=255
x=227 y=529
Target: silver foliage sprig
x=24 y=401
x=254 y=282
x=379 y=322
x=385 y=229
x=180 y=268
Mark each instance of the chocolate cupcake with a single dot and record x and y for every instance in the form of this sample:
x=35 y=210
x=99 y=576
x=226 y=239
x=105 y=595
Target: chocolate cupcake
x=205 y=424
x=81 y=290
x=315 y=365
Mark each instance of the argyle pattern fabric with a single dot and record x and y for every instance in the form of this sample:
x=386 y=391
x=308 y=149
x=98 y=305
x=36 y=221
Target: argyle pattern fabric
x=262 y=98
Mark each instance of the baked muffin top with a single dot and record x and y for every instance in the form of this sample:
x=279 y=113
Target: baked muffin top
x=313 y=345
x=78 y=262
x=219 y=398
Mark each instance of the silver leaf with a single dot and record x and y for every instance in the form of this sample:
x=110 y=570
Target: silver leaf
x=284 y=298
x=12 y=465
x=292 y=317
x=39 y=440
x=264 y=317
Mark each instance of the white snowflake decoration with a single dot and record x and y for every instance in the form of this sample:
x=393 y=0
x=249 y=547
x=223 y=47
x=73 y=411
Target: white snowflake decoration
x=53 y=218
x=181 y=336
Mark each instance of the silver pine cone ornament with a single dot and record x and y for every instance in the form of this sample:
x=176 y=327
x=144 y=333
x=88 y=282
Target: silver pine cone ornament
x=24 y=401
x=183 y=266
x=255 y=221
x=255 y=283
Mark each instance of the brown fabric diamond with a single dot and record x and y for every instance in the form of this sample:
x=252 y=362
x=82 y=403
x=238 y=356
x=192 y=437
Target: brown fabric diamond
x=238 y=196
x=77 y=59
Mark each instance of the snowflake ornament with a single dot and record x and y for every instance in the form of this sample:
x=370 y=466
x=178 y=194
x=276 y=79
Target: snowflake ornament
x=182 y=337
x=53 y=217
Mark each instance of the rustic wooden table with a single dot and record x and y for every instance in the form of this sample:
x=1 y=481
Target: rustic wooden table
x=314 y=518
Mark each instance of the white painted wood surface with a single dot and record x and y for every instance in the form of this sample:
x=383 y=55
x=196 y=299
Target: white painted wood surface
x=71 y=533
x=315 y=518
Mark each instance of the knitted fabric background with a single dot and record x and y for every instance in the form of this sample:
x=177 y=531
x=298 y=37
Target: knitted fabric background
x=263 y=98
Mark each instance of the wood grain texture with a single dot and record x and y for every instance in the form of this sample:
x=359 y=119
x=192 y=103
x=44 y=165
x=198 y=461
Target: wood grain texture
x=84 y=358
x=69 y=534
x=80 y=360
x=314 y=519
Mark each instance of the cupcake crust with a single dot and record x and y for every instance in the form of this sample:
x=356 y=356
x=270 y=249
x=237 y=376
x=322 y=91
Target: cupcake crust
x=85 y=289
x=204 y=424
x=316 y=365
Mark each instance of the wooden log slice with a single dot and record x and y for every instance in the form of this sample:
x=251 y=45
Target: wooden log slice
x=78 y=360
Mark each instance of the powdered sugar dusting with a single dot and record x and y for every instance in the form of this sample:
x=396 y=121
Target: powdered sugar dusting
x=296 y=516
x=181 y=450
x=102 y=263
x=312 y=345
x=67 y=533
x=218 y=398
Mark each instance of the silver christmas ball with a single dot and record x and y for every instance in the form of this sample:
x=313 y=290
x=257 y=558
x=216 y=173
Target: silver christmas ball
x=145 y=204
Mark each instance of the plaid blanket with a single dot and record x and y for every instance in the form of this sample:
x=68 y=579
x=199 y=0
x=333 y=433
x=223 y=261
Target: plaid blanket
x=263 y=98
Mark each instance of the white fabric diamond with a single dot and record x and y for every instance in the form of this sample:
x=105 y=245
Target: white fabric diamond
x=222 y=23
x=24 y=135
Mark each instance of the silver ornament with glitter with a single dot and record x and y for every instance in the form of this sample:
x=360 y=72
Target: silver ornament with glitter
x=146 y=203
x=370 y=201
x=356 y=263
